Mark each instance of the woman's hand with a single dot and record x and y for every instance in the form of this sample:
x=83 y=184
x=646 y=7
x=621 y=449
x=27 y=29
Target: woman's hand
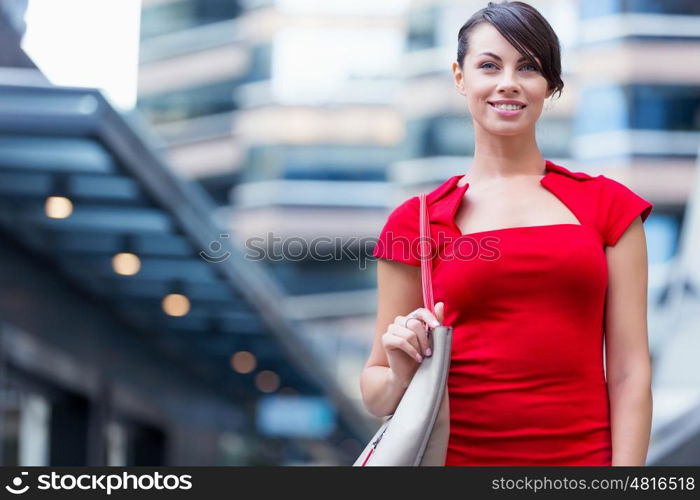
x=406 y=341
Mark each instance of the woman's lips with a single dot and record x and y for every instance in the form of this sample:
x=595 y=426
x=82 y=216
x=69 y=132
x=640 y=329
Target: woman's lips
x=507 y=112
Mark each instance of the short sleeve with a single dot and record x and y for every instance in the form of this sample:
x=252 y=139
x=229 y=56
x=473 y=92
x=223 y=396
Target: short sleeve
x=399 y=238
x=620 y=207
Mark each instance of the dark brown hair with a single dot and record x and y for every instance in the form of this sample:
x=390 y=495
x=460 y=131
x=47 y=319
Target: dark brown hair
x=526 y=30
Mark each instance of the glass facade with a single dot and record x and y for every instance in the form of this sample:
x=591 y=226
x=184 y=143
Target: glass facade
x=219 y=186
x=421 y=28
x=321 y=162
x=662 y=234
x=638 y=106
x=176 y=15
x=260 y=63
x=453 y=135
x=668 y=107
x=610 y=7
x=209 y=99
x=314 y=276
x=447 y=135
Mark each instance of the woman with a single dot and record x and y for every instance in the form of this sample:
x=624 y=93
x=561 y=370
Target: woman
x=536 y=267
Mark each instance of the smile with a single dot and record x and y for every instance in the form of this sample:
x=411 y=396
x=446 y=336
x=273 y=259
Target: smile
x=507 y=109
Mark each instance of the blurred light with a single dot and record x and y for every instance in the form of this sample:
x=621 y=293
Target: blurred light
x=126 y=264
x=176 y=304
x=267 y=381
x=58 y=207
x=295 y=416
x=243 y=362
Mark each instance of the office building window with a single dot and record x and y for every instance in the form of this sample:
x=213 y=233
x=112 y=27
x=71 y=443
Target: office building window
x=639 y=106
x=609 y=7
x=421 y=28
x=190 y=103
x=176 y=15
x=662 y=233
x=260 y=63
x=668 y=107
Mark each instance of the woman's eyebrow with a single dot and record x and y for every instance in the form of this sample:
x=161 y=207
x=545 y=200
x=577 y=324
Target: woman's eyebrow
x=491 y=54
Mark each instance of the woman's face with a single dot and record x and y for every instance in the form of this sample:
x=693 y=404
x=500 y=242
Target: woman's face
x=486 y=78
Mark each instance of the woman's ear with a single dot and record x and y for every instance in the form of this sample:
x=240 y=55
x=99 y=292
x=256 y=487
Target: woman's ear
x=458 y=78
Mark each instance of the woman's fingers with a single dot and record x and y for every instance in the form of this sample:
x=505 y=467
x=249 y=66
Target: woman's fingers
x=426 y=316
x=395 y=338
x=409 y=335
x=412 y=336
x=440 y=312
x=418 y=328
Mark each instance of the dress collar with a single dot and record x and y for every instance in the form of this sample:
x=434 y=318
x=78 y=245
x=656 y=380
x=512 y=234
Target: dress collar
x=451 y=184
x=452 y=194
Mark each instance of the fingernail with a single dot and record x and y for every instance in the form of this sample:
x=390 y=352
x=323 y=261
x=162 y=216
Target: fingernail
x=419 y=358
x=436 y=323
x=428 y=351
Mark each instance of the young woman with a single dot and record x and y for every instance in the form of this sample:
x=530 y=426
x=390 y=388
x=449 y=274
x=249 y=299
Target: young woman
x=536 y=267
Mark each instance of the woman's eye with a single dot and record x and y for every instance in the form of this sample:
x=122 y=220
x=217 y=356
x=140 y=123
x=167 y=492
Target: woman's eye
x=525 y=66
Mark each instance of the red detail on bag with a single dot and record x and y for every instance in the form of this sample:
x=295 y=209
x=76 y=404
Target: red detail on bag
x=367 y=457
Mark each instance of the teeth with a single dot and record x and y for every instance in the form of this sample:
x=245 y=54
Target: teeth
x=510 y=107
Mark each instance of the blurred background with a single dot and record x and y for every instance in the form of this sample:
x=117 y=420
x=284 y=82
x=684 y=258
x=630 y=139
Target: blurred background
x=144 y=143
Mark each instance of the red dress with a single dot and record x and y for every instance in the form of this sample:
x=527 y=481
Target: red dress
x=526 y=382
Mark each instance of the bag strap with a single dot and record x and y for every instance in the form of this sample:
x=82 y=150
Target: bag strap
x=426 y=261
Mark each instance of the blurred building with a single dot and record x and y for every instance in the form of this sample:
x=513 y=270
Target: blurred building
x=320 y=132
x=676 y=385
x=125 y=337
x=635 y=122
x=314 y=126
x=192 y=57
x=638 y=121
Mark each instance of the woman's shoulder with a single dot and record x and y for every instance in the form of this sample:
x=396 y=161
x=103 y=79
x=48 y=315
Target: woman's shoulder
x=400 y=230
x=610 y=204
x=409 y=208
x=617 y=207
x=597 y=189
x=398 y=239
x=620 y=206
x=600 y=183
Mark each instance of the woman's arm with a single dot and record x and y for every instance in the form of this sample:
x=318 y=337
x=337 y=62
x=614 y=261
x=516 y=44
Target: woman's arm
x=398 y=292
x=628 y=365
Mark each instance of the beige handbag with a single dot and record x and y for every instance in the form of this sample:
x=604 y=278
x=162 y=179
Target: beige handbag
x=417 y=433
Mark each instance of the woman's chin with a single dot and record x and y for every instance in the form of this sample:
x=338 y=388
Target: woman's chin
x=505 y=129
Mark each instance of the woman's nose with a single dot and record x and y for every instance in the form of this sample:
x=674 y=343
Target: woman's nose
x=508 y=82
